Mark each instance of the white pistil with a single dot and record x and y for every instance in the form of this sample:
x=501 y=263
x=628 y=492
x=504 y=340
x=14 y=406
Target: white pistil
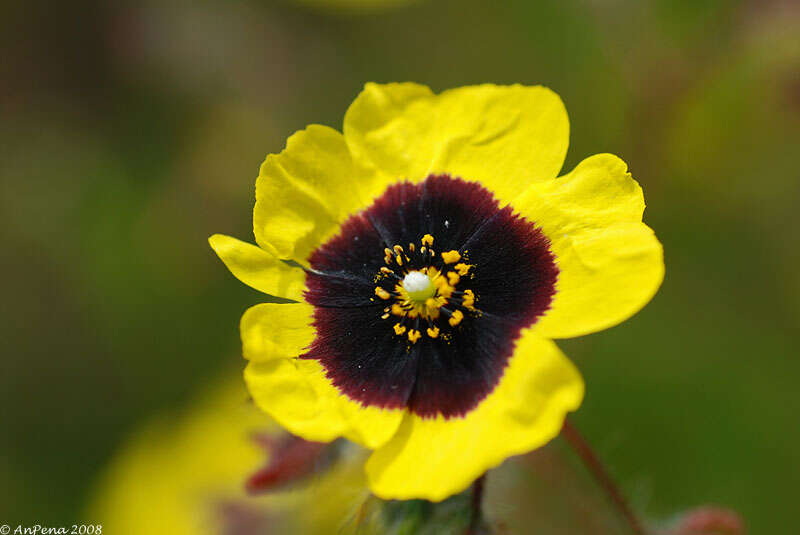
x=419 y=286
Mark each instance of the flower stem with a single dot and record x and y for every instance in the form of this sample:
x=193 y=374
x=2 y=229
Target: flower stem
x=476 y=516
x=595 y=466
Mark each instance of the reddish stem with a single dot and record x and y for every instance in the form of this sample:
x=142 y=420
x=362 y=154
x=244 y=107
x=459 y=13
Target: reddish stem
x=476 y=505
x=593 y=464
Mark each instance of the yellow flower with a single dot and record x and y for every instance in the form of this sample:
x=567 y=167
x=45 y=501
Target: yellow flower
x=184 y=475
x=435 y=253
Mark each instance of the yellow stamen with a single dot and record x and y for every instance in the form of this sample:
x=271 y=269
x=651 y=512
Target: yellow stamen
x=444 y=289
x=383 y=294
x=462 y=268
x=451 y=257
x=456 y=318
x=411 y=299
x=469 y=298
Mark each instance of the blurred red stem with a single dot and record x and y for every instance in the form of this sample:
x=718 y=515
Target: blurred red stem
x=477 y=503
x=600 y=474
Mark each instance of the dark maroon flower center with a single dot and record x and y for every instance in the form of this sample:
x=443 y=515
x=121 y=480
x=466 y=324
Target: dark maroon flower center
x=420 y=298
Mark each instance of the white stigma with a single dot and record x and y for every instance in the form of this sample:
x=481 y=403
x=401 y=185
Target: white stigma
x=418 y=285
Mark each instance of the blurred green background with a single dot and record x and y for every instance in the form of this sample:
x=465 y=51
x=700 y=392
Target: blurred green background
x=131 y=131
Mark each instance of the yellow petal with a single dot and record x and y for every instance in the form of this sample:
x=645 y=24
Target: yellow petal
x=606 y=277
x=297 y=394
x=306 y=191
x=259 y=269
x=272 y=330
x=610 y=263
x=506 y=137
x=381 y=126
x=435 y=458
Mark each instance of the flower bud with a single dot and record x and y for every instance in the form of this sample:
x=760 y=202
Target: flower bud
x=709 y=520
x=290 y=459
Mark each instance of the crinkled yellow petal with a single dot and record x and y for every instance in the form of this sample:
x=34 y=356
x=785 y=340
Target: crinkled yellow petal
x=505 y=137
x=606 y=277
x=296 y=393
x=610 y=263
x=306 y=191
x=435 y=458
x=259 y=269
x=382 y=124
x=273 y=330
x=597 y=193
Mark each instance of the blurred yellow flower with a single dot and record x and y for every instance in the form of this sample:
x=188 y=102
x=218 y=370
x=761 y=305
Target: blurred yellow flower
x=186 y=475
x=434 y=255
x=355 y=5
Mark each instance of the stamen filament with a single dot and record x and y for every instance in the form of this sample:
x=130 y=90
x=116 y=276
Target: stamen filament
x=423 y=288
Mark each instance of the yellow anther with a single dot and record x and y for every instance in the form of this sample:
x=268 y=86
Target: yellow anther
x=383 y=317
x=430 y=302
x=456 y=318
x=462 y=268
x=398 y=249
x=397 y=310
x=386 y=270
x=413 y=336
x=423 y=250
x=443 y=288
x=469 y=298
x=427 y=239
x=383 y=294
x=399 y=259
x=399 y=329
x=411 y=247
x=451 y=257
x=453 y=278
x=433 y=333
